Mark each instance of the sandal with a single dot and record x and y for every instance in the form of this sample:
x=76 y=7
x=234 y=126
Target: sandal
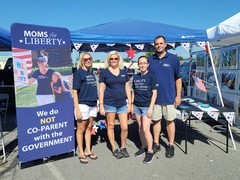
x=91 y=156
x=83 y=160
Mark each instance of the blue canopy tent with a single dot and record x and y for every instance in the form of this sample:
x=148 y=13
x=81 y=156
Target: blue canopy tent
x=130 y=31
x=134 y=32
x=5 y=40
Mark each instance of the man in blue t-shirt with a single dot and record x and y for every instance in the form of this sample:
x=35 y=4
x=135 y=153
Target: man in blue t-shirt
x=166 y=68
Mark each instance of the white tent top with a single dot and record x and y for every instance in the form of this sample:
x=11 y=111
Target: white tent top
x=226 y=33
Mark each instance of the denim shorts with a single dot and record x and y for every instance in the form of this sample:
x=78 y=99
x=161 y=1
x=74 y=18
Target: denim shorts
x=142 y=111
x=118 y=110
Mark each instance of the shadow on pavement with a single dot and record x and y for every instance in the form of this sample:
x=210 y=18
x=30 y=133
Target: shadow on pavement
x=101 y=137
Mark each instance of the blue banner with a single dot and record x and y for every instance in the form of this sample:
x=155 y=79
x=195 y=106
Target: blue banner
x=29 y=36
x=43 y=81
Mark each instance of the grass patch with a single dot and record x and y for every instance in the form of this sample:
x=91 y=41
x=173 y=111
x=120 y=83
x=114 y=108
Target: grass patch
x=26 y=96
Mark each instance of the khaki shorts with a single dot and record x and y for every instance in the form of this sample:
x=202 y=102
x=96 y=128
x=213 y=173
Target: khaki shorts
x=167 y=111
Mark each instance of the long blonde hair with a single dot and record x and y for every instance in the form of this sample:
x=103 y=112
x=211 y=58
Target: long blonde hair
x=58 y=74
x=120 y=62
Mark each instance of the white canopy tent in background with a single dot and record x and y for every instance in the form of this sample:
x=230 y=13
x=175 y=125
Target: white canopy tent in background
x=225 y=33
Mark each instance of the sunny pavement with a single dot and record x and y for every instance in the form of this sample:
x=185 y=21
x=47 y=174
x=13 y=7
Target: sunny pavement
x=206 y=158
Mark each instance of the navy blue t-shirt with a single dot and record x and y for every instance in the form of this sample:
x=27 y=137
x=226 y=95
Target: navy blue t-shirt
x=115 y=92
x=58 y=96
x=86 y=85
x=44 y=82
x=166 y=70
x=143 y=86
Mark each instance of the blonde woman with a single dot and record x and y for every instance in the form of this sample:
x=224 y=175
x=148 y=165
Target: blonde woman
x=114 y=90
x=85 y=104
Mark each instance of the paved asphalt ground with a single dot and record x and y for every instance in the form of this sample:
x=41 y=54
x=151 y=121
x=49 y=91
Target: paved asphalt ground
x=206 y=158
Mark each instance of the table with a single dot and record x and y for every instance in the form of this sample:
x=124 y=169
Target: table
x=193 y=108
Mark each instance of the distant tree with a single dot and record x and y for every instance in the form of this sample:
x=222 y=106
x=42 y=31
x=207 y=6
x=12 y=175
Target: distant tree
x=180 y=58
x=126 y=60
x=97 y=61
x=149 y=53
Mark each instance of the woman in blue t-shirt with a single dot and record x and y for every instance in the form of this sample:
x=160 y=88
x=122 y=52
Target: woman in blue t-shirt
x=43 y=76
x=114 y=90
x=143 y=97
x=85 y=104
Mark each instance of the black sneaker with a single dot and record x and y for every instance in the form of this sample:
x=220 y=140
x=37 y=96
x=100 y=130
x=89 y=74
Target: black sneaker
x=117 y=154
x=140 y=152
x=170 y=151
x=148 y=158
x=124 y=152
x=156 y=148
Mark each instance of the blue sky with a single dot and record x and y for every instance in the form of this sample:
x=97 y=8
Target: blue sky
x=77 y=14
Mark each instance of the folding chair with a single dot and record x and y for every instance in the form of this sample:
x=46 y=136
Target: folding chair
x=2 y=142
x=4 y=98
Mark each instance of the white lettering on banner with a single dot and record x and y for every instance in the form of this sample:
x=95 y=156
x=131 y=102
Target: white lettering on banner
x=53 y=126
x=42 y=113
x=41 y=38
x=44 y=144
x=36 y=33
x=43 y=41
x=41 y=137
x=47 y=127
x=45 y=113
